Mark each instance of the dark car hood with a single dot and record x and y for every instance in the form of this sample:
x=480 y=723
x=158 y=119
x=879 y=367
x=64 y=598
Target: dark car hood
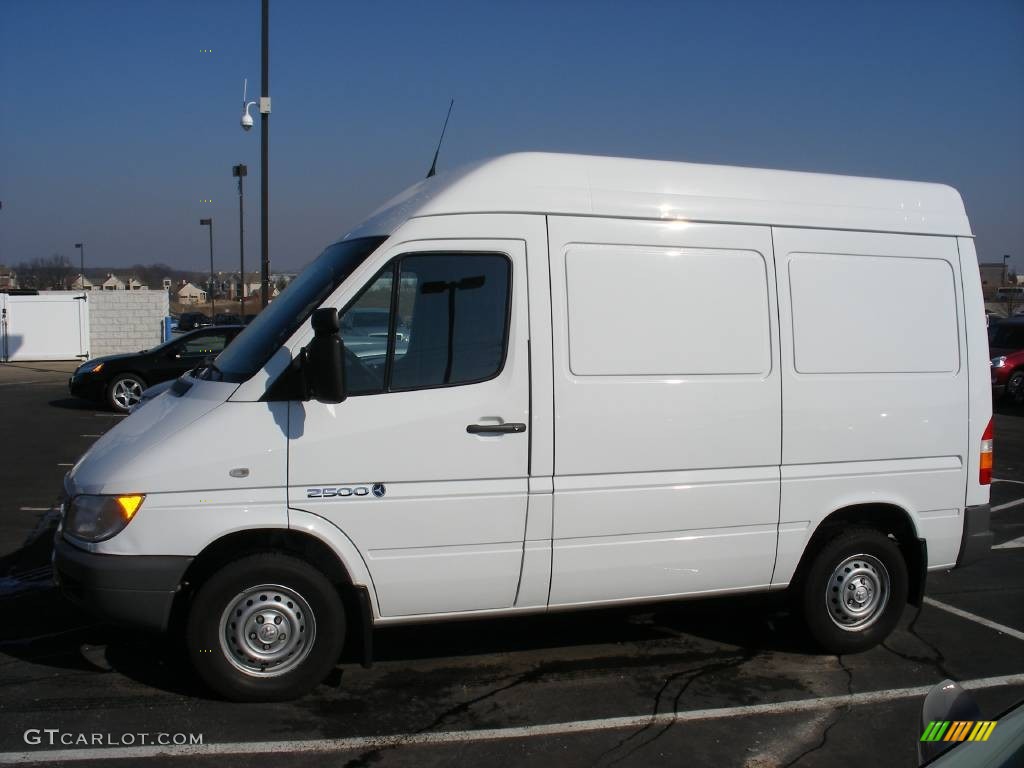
x=109 y=359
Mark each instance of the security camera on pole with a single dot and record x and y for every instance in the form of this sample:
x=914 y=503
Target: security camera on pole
x=246 y=121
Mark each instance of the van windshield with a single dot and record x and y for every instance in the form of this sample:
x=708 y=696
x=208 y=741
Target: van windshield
x=251 y=349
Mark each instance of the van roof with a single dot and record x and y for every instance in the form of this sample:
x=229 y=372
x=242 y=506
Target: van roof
x=588 y=185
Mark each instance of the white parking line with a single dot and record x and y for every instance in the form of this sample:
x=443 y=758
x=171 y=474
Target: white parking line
x=1007 y=505
x=363 y=743
x=90 y=435
x=65 y=465
x=34 y=509
x=1011 y=544
x=1017 y=634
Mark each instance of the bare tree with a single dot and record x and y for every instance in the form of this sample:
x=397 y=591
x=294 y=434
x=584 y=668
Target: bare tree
x=53 y=273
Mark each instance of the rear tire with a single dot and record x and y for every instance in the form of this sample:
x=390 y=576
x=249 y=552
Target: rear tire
x=267 y=627
x=854 y=591
x=124 y=391
x=1014 y=392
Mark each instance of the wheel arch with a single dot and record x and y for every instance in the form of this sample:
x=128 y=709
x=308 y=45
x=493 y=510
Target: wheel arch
x=357 y=596
x=892 y=520
x=238 y=544
x=127 y=372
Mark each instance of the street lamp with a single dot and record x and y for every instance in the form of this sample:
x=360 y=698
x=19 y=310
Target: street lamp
x=246 y=121
x=213 y=304
x=81 y=254
x=239 y=172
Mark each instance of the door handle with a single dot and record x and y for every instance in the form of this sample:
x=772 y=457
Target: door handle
x=496 y=429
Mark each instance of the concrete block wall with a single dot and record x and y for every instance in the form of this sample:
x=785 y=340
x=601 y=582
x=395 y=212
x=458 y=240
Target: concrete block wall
x=125 y=321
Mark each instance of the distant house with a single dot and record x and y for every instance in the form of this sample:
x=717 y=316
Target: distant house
x=190 y=294
x=82 y=283
x=113 y=283
x=135 y=285
x=8 y=279
x=254 y=290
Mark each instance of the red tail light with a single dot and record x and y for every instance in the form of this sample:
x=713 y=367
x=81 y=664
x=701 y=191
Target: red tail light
x=987 y=438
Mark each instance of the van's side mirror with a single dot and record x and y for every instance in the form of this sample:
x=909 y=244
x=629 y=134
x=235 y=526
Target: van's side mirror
x=945 y=702
x=323 y=362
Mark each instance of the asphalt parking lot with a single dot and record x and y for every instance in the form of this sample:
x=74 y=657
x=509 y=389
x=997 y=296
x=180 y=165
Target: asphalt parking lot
x=716 y=683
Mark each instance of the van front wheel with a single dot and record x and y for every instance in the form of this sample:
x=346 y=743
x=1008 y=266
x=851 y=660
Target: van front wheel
x=267 y=627
x=855 y=590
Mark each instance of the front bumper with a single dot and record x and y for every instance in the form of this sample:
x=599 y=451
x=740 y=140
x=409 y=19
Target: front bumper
x=88 y=386
x=977 y=538
x=134 y=590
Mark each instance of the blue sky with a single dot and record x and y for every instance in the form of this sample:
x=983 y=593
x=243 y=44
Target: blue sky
x=114 y=125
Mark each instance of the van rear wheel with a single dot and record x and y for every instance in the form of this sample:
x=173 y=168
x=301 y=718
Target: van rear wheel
x=855 y=590
x=267 y=627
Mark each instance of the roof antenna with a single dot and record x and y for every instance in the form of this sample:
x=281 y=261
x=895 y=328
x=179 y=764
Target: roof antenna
x=433 y=165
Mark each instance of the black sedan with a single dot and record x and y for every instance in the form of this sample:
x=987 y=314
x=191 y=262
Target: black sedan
x=118 y=380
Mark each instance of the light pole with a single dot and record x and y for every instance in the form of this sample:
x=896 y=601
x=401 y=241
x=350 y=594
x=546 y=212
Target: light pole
x=213 y=303
x=81 y=254
x=265 y=158
x=264 y=149
x=239 y=172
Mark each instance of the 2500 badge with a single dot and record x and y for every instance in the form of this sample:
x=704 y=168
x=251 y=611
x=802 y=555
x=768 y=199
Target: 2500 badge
x=377 y=490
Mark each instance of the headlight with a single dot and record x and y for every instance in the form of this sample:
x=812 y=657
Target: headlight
x=97 y=518
x=91 y=368
x=998 y=362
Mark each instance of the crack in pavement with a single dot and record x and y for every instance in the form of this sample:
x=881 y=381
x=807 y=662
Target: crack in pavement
x=373 y=755
x=938 y=661
x=695 y=674
x=841 y=713
x=533 y=675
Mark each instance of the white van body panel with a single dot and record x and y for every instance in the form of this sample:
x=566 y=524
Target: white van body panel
x=341 y=545
x=180 y=451
x=121 y=461
x=659 y=490
x=874 y=388
x=978 y=372
x=586 y=185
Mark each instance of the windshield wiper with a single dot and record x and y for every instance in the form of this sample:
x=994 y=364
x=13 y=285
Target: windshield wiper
x=212 y=367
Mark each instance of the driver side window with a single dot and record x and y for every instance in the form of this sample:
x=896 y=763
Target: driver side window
x=445 y=323
x=364 y=330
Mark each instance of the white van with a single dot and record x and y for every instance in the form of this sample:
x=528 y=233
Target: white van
x=561 y=382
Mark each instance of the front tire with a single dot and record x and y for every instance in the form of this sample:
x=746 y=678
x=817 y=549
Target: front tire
x=855 y=590
x=267 y=627
x=124 y=391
